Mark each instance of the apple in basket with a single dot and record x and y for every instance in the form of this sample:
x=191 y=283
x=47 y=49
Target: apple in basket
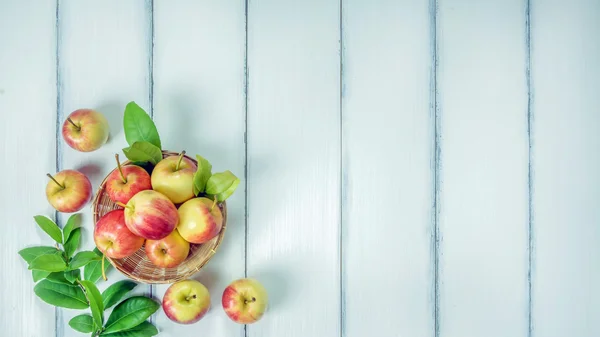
x=85 y=130
x=150 y=214
x=113 y=238
x=245 y=301
x=174 y=177
x=68 y=191
x=126 y=181
x=200 y=220
x=168 y=252
x=186 y=301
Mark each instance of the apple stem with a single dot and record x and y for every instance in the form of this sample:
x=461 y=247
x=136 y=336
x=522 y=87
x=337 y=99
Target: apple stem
x=120 y=170
x=190 y=297
x=103 y=272
x=57 y=183
x=253 y=300
x=121 y=204
x=214 y=203
x=180 y=159
x=73 y=123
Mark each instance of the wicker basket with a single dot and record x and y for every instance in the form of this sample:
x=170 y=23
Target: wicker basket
x=138 y=267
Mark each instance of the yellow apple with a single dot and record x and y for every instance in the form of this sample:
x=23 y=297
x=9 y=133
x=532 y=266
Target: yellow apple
x=200 y=220
x=174 y=177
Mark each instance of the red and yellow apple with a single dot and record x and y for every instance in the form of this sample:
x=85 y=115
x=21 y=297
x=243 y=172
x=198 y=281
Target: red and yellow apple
x=126 y=181
x=200 y=220
x=186 y=301
x=151 y=215
x=174 y=177
x=245 y=301
x=68 y=191
x=169 y=251
x=85 y=130
x=113 y=238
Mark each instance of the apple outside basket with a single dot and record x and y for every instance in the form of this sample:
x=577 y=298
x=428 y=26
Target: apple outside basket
x=137 y=266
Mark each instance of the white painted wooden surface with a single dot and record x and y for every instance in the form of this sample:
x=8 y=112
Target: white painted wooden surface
x=355 y=150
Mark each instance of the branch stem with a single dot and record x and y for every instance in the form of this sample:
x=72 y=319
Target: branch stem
x=73 y=123
x=120 y=169
x=57 y=183
x=179 y=161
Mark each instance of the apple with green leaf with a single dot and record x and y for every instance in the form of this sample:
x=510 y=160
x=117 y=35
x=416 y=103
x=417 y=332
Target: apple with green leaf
x=186 y=301
x=113 y=238
x=168 y=252
x=150 y=214
x=245 y=301
x=174 y=177
x=68 y=191
x=126 y=181
x=85 y=130
x=200 y=219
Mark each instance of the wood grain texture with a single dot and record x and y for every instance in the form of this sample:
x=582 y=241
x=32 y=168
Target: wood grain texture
x=200 y=107
x=388 y=135
x=566 y=161
x=294 y=164
x=484 y=168
x=28 y=110
x=103 y=64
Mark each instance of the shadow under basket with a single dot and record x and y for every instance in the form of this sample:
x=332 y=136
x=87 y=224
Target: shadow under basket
x=137 y=266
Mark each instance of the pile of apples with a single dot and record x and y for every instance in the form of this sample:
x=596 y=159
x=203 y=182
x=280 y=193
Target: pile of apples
x=159 y=209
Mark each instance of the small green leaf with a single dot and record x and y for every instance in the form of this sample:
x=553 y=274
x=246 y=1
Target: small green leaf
x=95 y=300
x=222 y=185
x=73 y=222
x=49 y=262
x=144 y=152
x=145 y=329
x=138 y=126
x=73 y=275
x=113 y=294
x=49 y=227
x=82 y=323
x=92 y=271
x=58 y=277
x=61 y=295
x=130 y=313
x=39 y=274
x=31 y=253
x=71 y=245
x=83 y=258
x=202 y=174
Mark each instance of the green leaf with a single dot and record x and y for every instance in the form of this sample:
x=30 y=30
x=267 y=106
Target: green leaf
x=72 y=275
x=82 y=323
x=113 y=294
x=146 y=329
x=202 y=174
x=92 y=271
x=49 y=227
x=39 y=274
x=58 y=277
x=61 y=295
x=31 y=253
x=49 y=262
x=83 y=258
x=95 y=300
x=144 y=152
x=73 y=243
x=138 y=126
x=130 y=313
x=73 y=222
x=222 y=185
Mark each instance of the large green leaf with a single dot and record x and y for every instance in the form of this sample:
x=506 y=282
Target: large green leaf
x=130 y=313
x=73 y=243
x=83 y=258
x=222 y=185
x=93 y=270
x=31 y=253
x=49 y=262
x=138 y=126
x=61 y=295
x=39 y=274
x=82 y=323
x=146 y=329
x=73 y=222
x=73 y=275
x=58 y=277
x=113 y=294
x=49 y=227
x=142 y=151
x=202 y=174
x=95 y=299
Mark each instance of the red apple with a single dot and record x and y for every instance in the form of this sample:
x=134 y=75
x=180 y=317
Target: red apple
x=126 y=181
x=68 y=191
x=174 y=177
x=151 y=215
x=186 y=302
x=200 y=220
x=113 y=238
x=168 y=252
x=85 y=130
x=245 y=301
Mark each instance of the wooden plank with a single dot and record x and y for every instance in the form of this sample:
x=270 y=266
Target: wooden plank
x=566 y=186
x=484 y=168
x=103 y=64
x=294 y=164
x=28 y=109
x=388 y=134
x=200 y=107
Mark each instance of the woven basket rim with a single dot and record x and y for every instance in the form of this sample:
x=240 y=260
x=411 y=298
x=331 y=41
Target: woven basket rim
x=144 y=276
